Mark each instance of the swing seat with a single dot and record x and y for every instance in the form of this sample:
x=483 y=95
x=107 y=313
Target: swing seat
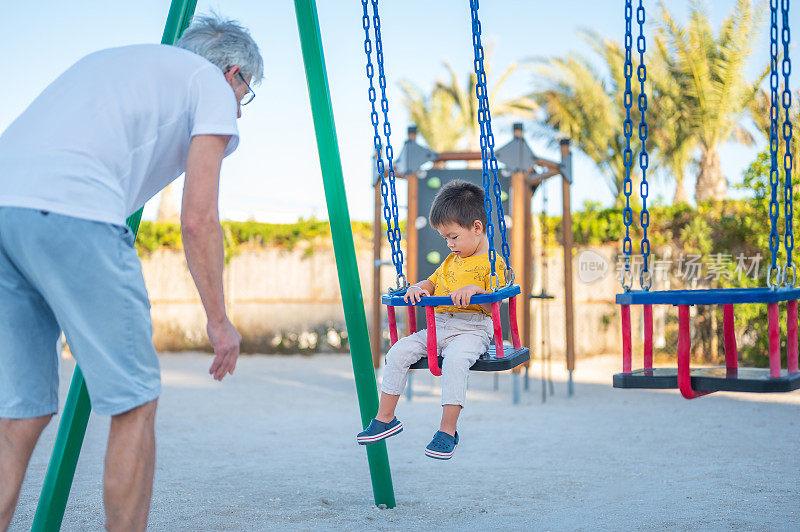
x=489 y=361
x=511 y=357
x=697 y=382
x=712 y=379
x=717 y=296
x=395 y=299
x=542 y=295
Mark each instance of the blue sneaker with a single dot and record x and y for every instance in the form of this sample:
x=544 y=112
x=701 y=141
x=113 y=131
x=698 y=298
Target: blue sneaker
x=378 y=430
x=442 y=446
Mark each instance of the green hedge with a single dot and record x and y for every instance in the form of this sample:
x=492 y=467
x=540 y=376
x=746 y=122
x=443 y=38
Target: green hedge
x=155 y=235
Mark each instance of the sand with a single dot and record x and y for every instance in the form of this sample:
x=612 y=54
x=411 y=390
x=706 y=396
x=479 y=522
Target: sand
x=273 y=448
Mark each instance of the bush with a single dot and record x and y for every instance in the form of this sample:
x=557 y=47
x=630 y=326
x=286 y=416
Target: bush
x=167 y=235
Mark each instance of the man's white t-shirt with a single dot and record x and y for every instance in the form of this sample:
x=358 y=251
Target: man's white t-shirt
x=113 y=130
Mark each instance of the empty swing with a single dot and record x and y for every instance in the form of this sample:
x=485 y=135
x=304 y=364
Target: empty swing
x=780 y=287
x=501 y=357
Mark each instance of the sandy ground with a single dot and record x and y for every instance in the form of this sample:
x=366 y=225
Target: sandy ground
x=274 y=449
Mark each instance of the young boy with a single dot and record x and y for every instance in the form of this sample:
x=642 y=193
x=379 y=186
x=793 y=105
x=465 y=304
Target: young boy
x=463 y=331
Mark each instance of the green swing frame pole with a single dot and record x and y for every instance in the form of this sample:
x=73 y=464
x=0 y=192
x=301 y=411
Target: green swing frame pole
x=72 y=427
x=344 y=250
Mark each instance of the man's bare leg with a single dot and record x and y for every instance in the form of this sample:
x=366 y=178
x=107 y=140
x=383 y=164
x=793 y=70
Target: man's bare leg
x=130 y=463
x=18 y=437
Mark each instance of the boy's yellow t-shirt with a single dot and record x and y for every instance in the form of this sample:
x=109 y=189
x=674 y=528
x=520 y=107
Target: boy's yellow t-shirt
x=457 y=272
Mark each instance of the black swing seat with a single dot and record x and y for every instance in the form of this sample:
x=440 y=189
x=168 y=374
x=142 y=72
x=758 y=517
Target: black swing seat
x=713 y=379
x=543 y=295
x=489 y=361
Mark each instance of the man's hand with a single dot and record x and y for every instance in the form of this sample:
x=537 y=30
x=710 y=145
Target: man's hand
x=225 y=340
x=461 y=296
x=414 y=293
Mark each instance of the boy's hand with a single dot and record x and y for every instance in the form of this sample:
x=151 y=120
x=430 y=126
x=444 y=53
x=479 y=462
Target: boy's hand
x=461 y=296
x=414 y=293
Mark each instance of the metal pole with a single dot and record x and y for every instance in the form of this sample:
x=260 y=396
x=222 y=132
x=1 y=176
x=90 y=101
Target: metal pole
x=412 y=247
x=412 y=234
x=519 y=241
x=527 y=252
x=566 y=182
x=410 y=386
x=344 y=250
x=377 y=307
x=72 y=427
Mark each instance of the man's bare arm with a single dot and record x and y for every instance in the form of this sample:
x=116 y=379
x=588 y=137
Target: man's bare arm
x=203 y=245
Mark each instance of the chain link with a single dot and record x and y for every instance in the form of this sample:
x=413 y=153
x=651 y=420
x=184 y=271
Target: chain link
x=488 y=159
x=645 y=279
x=627 y=183
x=786 y=100
x=773 y=274
x=388 y=190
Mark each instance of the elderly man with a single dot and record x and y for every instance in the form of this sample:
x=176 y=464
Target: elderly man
x=91 y=149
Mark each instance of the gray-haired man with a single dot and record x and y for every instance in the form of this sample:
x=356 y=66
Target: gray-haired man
x=91 y=149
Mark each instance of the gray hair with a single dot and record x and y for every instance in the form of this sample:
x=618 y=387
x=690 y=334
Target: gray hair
x=225 y=43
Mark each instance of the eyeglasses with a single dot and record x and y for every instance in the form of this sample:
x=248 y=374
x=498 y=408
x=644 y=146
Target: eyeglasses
x=250 y=95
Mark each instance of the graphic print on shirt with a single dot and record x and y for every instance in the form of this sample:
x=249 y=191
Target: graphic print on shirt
x=457 y=272
x=479 y=273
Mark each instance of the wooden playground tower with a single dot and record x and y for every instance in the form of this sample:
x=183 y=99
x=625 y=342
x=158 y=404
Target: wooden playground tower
x=527 y=172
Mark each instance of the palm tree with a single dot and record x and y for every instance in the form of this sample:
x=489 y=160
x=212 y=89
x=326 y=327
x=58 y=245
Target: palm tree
x=448 y=117
x=463 y=94
x=673 y=134
x=435 y=116
x=709 y=69
x=759 y=112
x=576 y=101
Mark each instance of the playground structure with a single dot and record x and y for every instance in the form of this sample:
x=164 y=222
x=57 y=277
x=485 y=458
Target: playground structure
x=522 y=174
x=780 y=288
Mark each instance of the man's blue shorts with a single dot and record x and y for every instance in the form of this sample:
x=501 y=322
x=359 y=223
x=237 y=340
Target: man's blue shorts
x=83 y=277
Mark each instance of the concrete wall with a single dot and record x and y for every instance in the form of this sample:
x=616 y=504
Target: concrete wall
x=276 y=298
x=284 y=300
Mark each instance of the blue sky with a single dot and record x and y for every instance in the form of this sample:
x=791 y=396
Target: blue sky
x=274 y=175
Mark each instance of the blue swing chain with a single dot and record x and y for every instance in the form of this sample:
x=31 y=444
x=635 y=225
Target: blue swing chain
x=787 y=155
x=488 y=159
x=627 y=183
x=390 y=210
x=645 y=278
x=773 y=275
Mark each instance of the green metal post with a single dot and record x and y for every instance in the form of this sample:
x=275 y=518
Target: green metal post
x=344 y=250
x=72 y=427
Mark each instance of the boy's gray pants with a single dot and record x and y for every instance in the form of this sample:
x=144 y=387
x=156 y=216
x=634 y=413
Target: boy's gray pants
x=461 y=338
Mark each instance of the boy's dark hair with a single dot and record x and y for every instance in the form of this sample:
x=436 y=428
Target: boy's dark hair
x=458 y=202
